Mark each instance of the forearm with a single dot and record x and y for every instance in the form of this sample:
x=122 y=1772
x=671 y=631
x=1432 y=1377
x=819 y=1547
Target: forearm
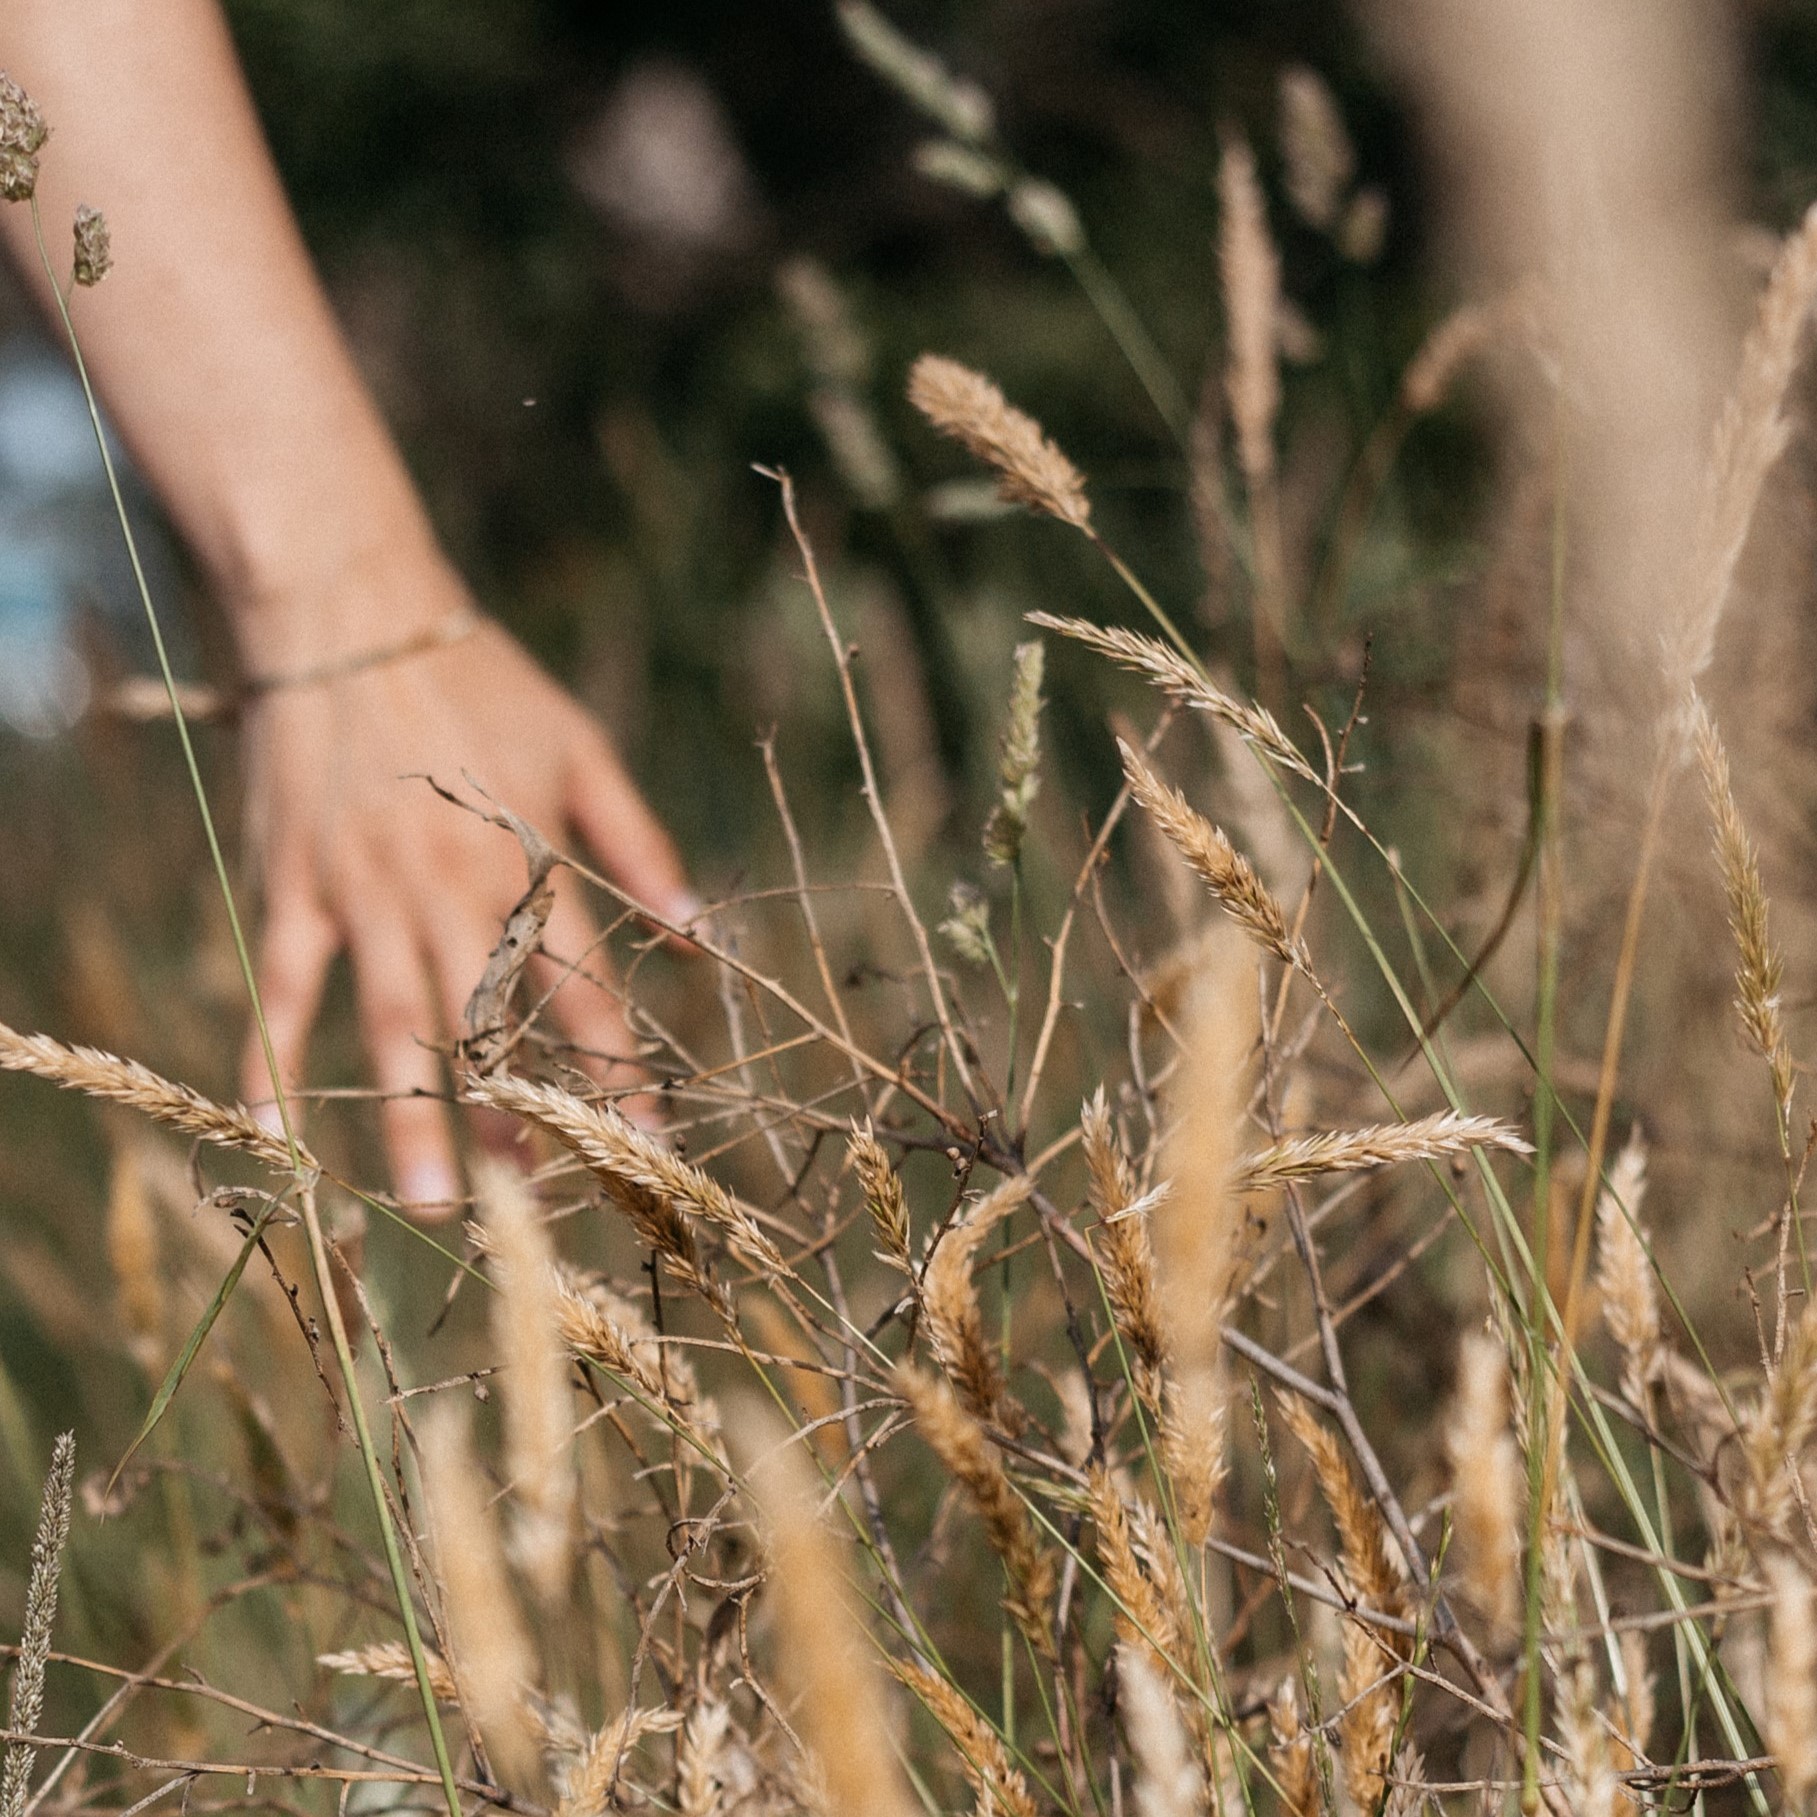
x=212 y=345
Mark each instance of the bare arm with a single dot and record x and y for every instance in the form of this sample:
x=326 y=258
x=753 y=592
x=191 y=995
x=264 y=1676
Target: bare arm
x=221 y=364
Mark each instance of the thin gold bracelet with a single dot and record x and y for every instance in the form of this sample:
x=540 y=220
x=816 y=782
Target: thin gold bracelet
x=143 y=697
x=449 y=630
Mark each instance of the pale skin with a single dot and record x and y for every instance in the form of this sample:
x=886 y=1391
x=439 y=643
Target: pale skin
x=222 y=367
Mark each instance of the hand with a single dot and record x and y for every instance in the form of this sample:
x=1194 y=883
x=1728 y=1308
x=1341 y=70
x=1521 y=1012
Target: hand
x=356 y=856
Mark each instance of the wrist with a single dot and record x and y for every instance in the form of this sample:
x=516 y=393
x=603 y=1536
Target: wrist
x=333 y=608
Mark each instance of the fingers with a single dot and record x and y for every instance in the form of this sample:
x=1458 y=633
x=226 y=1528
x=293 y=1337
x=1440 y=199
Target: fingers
x=297 y=947
x=397 y=1020
x=625 y=836
x=589 y=1011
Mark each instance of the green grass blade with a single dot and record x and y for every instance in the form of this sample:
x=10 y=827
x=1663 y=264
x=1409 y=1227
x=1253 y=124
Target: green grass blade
x=192 y=1346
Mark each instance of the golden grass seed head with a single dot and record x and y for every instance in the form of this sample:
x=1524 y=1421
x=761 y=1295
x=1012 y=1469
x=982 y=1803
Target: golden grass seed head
x=1250 y=270
x=1750 y=435
x=103 y=1075
x=1121 y=1240
x=535 y=1395
x=589 y=1776
x=131 y=1235
x=1426 y=1138
x=1018 y=758
x=1230 y=877
x=1290 y=1755
x=391 y=1659
x=1776 y=1430
x=1790 y=1724
x=884 y=1197
x=959 y=1442
x=1031 y=470
x=1142 y=1619
x=1487 y=1483
x=955 y=1319
x=1624 y=1275
x=1591 y=1786
x=1759 y=966
x=701 y=1759
x=1185 y=684
x=491 y=1654
x=1169 y=1782
x=825 y=1656
x=1370 y=1561
x=1001 y=1787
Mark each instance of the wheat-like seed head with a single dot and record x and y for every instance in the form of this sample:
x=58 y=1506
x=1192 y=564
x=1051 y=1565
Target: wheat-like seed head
x=1001 y=1786
x=957 y=1439
x=1290 y=1756
x=659 y=1191
x=1750 y=435
x=1777 y=1428
x=391 y=1659
x=1591 y=1786
x=1196 y=1226
x=1122 y=1240
x=955 y=1320
x=1370 y=1561
x=1229 y=876
x=589 y=1777
x=1143 y=1620
x=1018 y=758
x=1790 y=1726
x=828 y=1661
x=492 y=1659
x=1382 y=1145
x=102 y=1075
x=884 y=1198
x=1487 y=1485
x=1184 y=684
x=1168 y=1780
x=701 y=1759
x=1031 y=470
x=27 y=1702
x=1469 y=330
x=1634 y=1721
x=1759 y=965
x=595 y=1323
x=1371 y=1710
x=1624 y=1275
x=1193 y=1446
x=537 y=1401
x=1250 y=270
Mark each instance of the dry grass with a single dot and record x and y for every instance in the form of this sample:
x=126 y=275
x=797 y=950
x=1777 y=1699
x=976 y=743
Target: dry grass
x=999 y=1266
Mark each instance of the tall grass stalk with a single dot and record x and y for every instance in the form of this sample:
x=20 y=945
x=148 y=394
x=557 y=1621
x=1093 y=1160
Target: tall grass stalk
x=324 y=1283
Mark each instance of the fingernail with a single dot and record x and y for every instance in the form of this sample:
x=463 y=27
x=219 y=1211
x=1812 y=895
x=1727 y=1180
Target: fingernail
x=429 y=1188
x=267 y=1117
x=645 y=1111
x=685 y=907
